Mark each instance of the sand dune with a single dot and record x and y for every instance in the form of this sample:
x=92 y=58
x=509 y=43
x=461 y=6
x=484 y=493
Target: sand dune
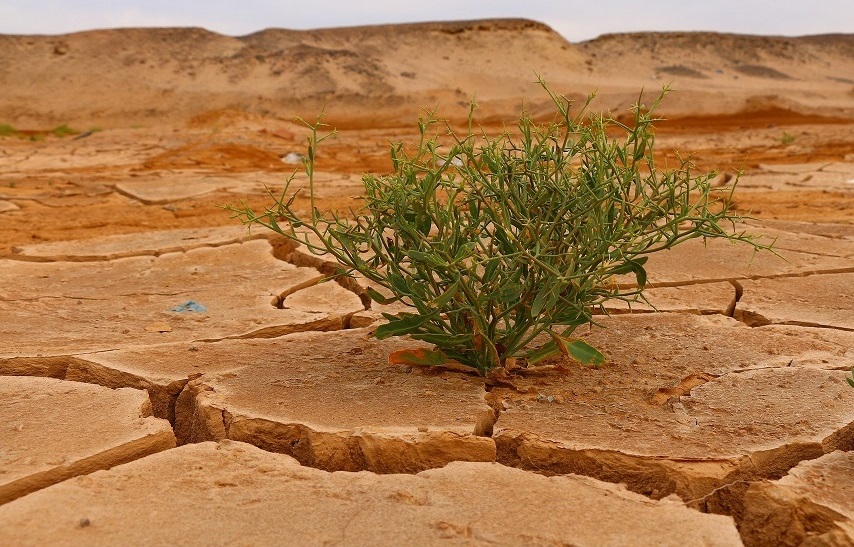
x=380 y=75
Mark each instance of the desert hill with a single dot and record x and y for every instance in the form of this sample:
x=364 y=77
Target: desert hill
x=380 y=75
x=705 y=54
x=133 y=74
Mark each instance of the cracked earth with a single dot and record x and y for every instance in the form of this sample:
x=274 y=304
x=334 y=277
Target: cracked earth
x=159 y=363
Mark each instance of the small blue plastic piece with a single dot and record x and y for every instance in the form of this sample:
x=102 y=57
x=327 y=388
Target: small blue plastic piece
x=189 y=306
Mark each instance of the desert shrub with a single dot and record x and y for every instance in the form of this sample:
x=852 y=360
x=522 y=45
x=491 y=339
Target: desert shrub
x=7 y=130
x=496 y=242
x=63 y=131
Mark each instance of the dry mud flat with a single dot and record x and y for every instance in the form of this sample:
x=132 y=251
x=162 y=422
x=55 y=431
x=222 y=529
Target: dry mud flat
x=718 y=414
x=161 y=372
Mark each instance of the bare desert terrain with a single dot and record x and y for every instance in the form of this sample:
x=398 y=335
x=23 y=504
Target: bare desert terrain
x=167 y=377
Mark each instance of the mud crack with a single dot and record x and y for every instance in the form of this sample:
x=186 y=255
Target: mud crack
x=288 y=251
x=201 y=415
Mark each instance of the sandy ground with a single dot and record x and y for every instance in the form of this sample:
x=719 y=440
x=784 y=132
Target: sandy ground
x=725 y=418
x=66 y=189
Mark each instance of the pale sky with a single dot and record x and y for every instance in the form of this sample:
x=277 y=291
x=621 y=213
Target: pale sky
x=576 y=20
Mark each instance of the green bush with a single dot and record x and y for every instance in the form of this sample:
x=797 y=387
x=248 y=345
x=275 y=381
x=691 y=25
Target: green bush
x=63 y=131
x=496 y=242
x=7 y=130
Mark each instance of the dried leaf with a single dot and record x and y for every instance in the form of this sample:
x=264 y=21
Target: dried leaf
x=417 y=357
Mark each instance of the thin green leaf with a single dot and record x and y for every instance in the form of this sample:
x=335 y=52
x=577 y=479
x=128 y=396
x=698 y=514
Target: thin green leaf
x=586 y=354
x=426 y=258
x=546 y=298
x=444 y=340
x=579 y=350
x=446 y=297
x=549 y=349
x=398 y=284
x=540 y=300
x=491 y=268
x=398 y=326
x=424 y=224
x=640 y=273
x=571 y=318
x=632 y=266
x=379 y=298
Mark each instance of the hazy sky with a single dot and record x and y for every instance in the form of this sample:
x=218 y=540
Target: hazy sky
x=576 y=20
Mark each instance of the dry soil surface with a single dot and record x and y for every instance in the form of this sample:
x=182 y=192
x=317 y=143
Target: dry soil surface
x=162 y=369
